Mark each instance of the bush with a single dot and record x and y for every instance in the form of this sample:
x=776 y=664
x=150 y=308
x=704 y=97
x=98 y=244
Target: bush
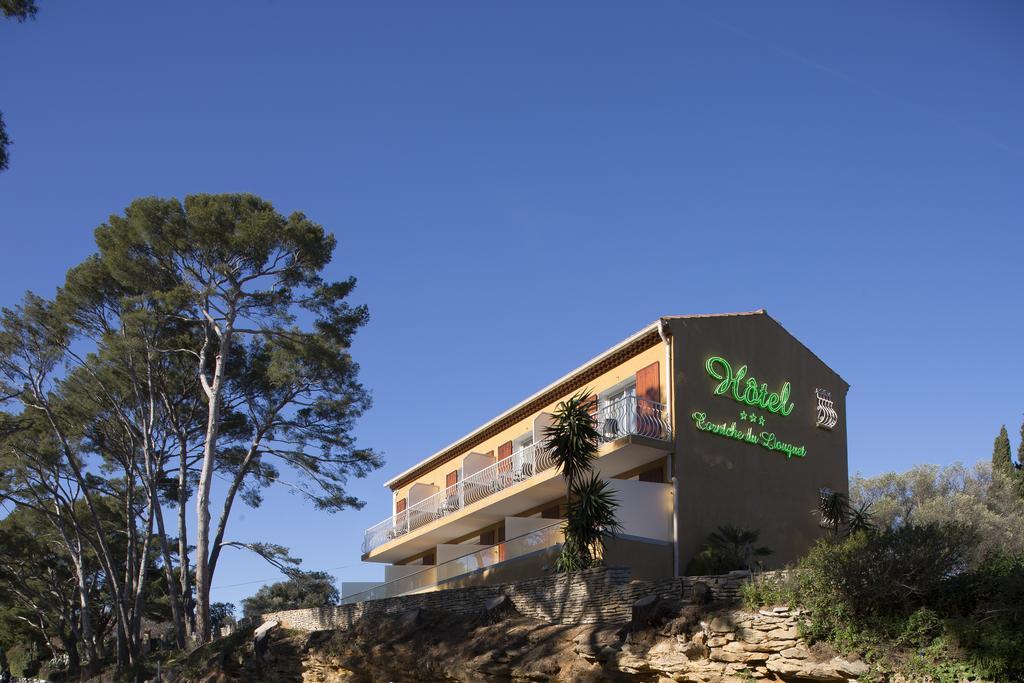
x=23 y=660
x=727 y=549
x=909 y=597
x=780 y=589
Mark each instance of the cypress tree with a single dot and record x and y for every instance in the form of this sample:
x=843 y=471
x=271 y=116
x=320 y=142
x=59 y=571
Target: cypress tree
x=1020 y=450
x=1002 y=461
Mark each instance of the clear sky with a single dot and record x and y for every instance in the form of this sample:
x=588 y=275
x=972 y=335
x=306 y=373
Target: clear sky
x=520 y=185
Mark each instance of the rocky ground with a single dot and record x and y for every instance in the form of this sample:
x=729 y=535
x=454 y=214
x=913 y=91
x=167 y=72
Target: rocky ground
x=664 y=643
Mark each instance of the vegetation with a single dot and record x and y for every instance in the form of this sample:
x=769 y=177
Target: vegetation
x=727 y=549
x=934 y=587
x=572 y=439
x=19 y=10
x=200 y=340
x=302 y=589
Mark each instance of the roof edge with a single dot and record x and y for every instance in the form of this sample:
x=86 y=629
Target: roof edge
x=438 y=455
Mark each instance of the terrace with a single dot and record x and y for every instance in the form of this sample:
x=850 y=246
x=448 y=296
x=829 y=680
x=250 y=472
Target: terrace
x=633 y=431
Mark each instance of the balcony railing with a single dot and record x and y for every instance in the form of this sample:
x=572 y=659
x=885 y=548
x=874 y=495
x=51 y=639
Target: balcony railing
x=624 y=417
x=432 y=575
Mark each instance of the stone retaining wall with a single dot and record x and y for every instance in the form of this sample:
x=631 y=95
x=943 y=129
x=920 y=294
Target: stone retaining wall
x=600 y=595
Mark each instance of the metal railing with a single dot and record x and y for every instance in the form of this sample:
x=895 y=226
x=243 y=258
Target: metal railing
x=627 y=416
x=432 y=575
x=633 y=416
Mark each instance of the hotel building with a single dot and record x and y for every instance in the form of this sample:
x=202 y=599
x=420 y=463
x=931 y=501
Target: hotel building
x=705 y=420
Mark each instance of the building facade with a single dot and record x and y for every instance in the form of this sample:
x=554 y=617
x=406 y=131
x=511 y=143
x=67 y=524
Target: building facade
x=706 y=420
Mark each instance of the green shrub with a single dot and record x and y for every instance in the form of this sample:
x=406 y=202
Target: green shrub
x=771 y=590
x=23 y=660
x=908 y=597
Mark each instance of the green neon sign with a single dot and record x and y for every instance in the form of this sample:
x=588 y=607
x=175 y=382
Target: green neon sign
x=764 y=439
x=747 y=392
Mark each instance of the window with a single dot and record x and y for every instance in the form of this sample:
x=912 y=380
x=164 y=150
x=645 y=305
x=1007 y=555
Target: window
x=616 y=413
x=525 y=441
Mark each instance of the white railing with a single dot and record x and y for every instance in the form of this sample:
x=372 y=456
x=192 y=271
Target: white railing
x=627 y=416
x=432 y=575
x=633 y=416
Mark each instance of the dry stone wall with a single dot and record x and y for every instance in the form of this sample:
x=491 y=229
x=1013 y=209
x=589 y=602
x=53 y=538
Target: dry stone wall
x=600 y=595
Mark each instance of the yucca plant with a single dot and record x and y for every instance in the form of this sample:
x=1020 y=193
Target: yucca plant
x=729 y=548
x=840 y=517
x=572 y=440
x=590 y=520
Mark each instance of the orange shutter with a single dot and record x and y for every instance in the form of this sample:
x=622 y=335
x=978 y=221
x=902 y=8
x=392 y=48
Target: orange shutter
x=451 y=479
x=504 y=451
x=592 y=406
x=401 y=504
x=648 y=388
x=648 y=383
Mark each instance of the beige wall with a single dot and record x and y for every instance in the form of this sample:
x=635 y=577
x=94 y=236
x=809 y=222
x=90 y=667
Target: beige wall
x=645 y=508
x=725 y=481
x=605 y=381
x=648 y=560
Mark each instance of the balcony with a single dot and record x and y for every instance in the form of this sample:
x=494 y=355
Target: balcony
x=524 y=556
x=627 y=417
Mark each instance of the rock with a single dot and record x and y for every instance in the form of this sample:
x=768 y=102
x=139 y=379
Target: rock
x=854 y=669
x=784 y=633
x=410 y=618
x=499 y=607
x=701 y=594
x=263 y=629
x=645 y=609
x=748 y=635
x=721 y=625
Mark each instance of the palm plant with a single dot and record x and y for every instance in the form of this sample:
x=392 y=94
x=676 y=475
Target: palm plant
x=840 y=517
x=590 y=519
x=729 y=548
x=572 y=440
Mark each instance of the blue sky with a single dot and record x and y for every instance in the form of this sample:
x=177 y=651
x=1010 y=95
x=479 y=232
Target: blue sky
x=518 y=186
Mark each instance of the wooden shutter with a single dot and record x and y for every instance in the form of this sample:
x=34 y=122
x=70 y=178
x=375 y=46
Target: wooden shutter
x=451 y=479
x=551 y=512
x=430 y=558
x=501 y=542
x=648 y=388
x=401 y=504
x=648 y=383
x=504 y=451
x=487 y=538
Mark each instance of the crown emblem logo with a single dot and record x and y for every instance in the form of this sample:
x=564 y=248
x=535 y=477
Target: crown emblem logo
x=827 y=416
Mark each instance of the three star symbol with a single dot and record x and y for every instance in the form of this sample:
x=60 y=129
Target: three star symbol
x=752 y=418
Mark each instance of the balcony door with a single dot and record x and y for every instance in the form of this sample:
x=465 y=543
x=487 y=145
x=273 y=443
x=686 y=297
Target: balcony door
x=616 y=412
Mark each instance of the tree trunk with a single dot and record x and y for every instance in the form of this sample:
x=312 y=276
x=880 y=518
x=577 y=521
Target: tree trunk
x=172 y=582
x=185 y=580
x=203 y=576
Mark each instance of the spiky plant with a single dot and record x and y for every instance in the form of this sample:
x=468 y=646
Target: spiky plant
x=572 y=438
x=591 y=519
